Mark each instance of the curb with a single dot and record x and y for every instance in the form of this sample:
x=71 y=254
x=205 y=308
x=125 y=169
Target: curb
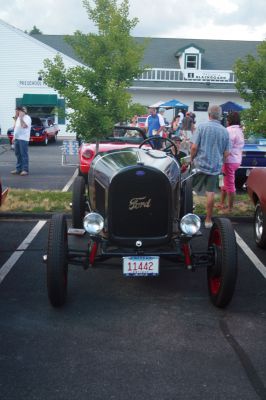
x=21 y=215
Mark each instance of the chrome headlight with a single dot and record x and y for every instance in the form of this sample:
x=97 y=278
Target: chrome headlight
x=190 y=224
x=93 y=223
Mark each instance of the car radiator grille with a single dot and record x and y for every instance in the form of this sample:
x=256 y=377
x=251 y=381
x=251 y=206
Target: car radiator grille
x=139 y=204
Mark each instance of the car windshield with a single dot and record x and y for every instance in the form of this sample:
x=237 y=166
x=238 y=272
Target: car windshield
x=36 y=121
x=127 y=134
x=142 y=120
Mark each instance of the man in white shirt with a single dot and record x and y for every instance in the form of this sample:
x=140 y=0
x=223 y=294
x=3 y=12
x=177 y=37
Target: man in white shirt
x=21 y=139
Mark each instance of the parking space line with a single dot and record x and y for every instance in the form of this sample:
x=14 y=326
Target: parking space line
x=71 y=180
x=253 y=258
x=9 y=264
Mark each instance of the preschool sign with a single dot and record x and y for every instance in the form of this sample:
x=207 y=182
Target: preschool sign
x=31 y=83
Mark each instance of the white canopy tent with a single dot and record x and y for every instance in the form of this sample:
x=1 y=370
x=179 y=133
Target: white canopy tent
x=157 y=104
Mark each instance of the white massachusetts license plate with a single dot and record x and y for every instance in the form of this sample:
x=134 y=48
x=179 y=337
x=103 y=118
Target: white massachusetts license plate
x=141 y=266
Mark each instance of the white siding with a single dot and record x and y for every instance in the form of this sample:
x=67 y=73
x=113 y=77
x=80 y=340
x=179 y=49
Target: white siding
x=21 y=58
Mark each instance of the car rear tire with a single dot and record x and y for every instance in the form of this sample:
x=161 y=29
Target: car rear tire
x=78 y=202
x=222 y=273
x=57 y=262
x=186 y=198
x=260 y=226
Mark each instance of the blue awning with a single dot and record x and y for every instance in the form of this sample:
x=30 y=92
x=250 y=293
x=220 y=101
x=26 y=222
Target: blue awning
x=174 y=104
x=231 y=106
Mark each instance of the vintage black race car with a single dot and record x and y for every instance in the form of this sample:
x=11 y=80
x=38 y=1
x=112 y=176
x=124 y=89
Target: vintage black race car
x=138 y=208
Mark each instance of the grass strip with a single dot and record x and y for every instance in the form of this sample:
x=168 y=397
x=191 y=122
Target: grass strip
x=21 y=200
x=243 y=206
x=36 y=201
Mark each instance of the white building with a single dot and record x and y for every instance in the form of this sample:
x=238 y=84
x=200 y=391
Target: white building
x=21 y=58
x=197 y=72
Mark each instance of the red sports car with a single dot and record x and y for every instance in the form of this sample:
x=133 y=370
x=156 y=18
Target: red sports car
x=43 y=130
x=256 y=187
x=122 y=137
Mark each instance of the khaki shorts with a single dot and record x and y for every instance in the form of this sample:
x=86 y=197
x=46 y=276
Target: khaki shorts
x=203 y=182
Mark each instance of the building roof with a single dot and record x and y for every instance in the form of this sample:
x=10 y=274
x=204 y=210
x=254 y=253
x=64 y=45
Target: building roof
x=59 y=43
x=161 y=52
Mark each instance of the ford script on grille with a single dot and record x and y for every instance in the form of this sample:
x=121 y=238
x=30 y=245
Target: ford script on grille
x=139 y=202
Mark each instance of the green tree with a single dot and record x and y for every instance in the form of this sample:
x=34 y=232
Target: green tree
x=96 y=92
x=251 y=85
x=35 y=30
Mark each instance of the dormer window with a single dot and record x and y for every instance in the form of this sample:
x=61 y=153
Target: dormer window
x=191 y=61
x=189 y=57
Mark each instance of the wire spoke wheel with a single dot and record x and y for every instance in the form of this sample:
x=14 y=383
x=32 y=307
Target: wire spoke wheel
x=222 y=272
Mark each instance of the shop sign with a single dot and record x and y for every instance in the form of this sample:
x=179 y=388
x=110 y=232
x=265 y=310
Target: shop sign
x=207 y=76
x=31 y=84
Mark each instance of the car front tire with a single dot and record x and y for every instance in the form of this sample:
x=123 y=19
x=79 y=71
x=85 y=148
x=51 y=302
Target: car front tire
x=222 y=271
x=84 y=176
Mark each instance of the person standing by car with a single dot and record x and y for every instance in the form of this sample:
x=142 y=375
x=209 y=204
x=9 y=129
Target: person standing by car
x=174 y=129
x=21 y=139
x=154 y=126
x=210 y=146
x=134 y=121
x=187 y=130
x=175 y=133
x=232 y=161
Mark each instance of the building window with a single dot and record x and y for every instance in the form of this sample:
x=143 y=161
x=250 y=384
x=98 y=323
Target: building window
x=191 y=61
x=200 y=106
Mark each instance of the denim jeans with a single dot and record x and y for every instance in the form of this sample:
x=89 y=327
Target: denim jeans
x=21 y=152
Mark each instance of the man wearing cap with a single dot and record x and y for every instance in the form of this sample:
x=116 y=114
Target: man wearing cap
x=21 y=139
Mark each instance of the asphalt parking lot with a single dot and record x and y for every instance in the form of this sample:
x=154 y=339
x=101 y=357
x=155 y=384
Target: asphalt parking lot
x=120 y=338
x=46 y=170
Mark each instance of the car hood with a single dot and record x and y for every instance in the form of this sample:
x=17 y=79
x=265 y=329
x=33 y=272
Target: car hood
x=108 y=146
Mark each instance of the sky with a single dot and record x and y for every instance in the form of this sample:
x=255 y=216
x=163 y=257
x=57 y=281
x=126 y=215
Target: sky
x=199 y=19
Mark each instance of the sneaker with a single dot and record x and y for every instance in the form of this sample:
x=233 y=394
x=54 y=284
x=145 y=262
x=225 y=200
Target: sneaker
x=23 y=173
x=15 y=172
x=208 y=225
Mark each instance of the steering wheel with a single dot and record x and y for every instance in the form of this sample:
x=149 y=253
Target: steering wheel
x=160 y=140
